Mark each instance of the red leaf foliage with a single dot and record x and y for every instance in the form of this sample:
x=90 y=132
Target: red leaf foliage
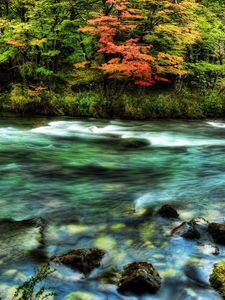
x=126 y=58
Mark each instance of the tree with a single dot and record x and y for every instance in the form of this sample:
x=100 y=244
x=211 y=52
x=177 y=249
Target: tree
x=123 y=57
x=40 y=38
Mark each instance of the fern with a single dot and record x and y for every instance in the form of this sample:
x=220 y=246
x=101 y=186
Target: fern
x=27 y=290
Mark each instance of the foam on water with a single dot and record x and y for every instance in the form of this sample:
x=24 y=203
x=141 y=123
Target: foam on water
x=216 y=124
x=158 y=139
x=151 y=199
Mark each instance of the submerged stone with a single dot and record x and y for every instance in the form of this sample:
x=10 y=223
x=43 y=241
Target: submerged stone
x=167 y=211
x=129 y=143
x=217 y=278
x=108 y=277
x=186 y=230
x=208 y=248
x=83 y=260
x=21 y=238
x=139 y=278
x=8 y=224
x=217 y=232
x=197 y=275
x=105 y=242
x=80 y=295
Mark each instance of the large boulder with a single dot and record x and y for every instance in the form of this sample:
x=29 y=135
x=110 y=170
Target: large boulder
x=217 y=232
x=83 y=260
x=167 y=211
x=139 y=278
x=217 y=278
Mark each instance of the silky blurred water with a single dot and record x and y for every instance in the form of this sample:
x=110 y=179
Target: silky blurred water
x=85 y=181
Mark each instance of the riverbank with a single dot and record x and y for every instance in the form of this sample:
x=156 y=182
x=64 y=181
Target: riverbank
x=132 y=104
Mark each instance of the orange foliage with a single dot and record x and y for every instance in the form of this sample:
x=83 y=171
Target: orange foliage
x=36 y=90
x=126 y=59
x=15 y=43
x=80 y=65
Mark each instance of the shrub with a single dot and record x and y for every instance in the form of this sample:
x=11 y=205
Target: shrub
x=213 y=104
x=21 y=101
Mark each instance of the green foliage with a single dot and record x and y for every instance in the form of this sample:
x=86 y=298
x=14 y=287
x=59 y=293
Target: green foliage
x=7 y=55
x=21 y=101
x=50 y=67
x=45 y=72
x=85 y=103
x=83 y=77
x=38 y=100
x=28 y=290
x=189 y=104
x=213 y=104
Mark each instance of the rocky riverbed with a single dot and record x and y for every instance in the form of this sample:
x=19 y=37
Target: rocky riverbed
x=147 y=195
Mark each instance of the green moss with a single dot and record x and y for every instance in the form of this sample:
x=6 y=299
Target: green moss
x=147 y=231
x=80 y=295
x=118 y=227
x=217 y=278
x=105 y=242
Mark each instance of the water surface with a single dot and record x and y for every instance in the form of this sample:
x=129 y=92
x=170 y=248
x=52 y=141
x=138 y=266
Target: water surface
x=82 y=178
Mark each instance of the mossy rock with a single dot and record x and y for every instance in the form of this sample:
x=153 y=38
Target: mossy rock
x=139 y=278
x=217 y=232
x=83 y=260
x=217 y=278
x=167 y=211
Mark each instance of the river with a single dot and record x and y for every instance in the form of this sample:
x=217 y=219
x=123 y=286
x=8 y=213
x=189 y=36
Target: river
x=82 y=178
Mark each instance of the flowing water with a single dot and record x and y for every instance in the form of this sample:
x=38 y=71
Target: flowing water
x=85 y=181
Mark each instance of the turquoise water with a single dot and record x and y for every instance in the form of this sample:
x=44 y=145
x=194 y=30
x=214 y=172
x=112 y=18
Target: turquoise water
x=80 y=176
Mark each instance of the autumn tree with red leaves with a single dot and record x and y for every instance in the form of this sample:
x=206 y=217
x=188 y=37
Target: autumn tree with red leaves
x=123 y=57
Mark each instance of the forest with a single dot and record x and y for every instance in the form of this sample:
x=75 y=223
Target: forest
x=131 y=59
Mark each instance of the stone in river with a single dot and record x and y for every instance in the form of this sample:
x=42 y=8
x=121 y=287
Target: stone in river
x=83 y=260
x=217 y=278
x=132 y=143
x=197 y=275
x=186 y=230
x=167 y=211
x=217 y=232
x=201 y=224
x=139 y=278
